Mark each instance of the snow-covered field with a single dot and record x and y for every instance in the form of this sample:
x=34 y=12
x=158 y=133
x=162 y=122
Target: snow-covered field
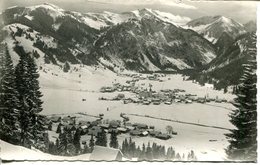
x=63 y=94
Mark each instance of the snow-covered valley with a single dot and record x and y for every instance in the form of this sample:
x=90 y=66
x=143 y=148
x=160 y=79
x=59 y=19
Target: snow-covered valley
x=64 y=92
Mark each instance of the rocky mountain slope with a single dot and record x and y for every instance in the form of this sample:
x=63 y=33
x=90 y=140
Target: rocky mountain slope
x=212 y=27
x=151 y=44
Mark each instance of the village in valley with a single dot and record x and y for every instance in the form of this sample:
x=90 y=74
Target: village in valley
x=139 y=90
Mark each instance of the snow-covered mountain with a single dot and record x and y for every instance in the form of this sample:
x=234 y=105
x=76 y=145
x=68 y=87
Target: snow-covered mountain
x=138 y=40
x=152 y=44
x=212 y=27
x=105 y=19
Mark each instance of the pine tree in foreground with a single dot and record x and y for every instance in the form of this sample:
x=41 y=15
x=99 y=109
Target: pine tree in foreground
x=243 y=142
x=27 y=83
x=9 y=102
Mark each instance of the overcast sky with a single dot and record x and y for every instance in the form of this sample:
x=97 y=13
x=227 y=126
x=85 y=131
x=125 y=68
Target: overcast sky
x=240 y=11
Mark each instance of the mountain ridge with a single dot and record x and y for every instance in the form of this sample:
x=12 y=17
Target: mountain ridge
x=140 y=40
x=76 y=40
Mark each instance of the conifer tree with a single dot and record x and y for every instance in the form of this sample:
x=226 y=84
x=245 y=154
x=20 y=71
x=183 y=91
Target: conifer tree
x=123 y=147
x=113 y=140
x=169 y=154
x=27 y=83
x=50 y=126
x=178 y=157
x=243 y=143
x=59 y=128
x=63 y=143
x=57 y=143
x=9 y=102
x=148 y=153
x=91 y=143
x=143 y=155
x=101 y=138
x=76 y=140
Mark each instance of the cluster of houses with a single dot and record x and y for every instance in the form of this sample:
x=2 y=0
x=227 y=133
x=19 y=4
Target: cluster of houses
x=147 y=96
x=166 y=96
x=130 y=84
x=95 y=127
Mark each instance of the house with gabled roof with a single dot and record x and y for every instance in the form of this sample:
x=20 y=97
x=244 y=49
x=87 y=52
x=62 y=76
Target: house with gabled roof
x=101 y=153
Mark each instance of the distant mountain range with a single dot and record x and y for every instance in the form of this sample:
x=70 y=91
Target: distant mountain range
x=140 y=40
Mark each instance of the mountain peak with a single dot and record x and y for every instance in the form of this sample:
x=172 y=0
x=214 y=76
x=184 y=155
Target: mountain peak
x=145 y=10
x=225 y=20
x=47 y=6
x=212 y=27
x=52 y=10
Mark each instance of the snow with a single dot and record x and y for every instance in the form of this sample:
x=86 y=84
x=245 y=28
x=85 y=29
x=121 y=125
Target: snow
x=164 y=16
x=222 y=23
x=148 y=64
x=198 y=29
x=105 y=62
x=64 y=94
x=175 y=43
x=137 y=14
x=29 y=17
x=15 y=57
x=209 y=56
x=13 y=152
x=27 y=43
x=226 y=20
x=104 y=19
x=56 y=26
x=241 y=45
x=209 y=85
x=178 y=63
x=210 y=38
x=52 y=10
x=94 y=24
x=11 y=7
x=174 y=19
